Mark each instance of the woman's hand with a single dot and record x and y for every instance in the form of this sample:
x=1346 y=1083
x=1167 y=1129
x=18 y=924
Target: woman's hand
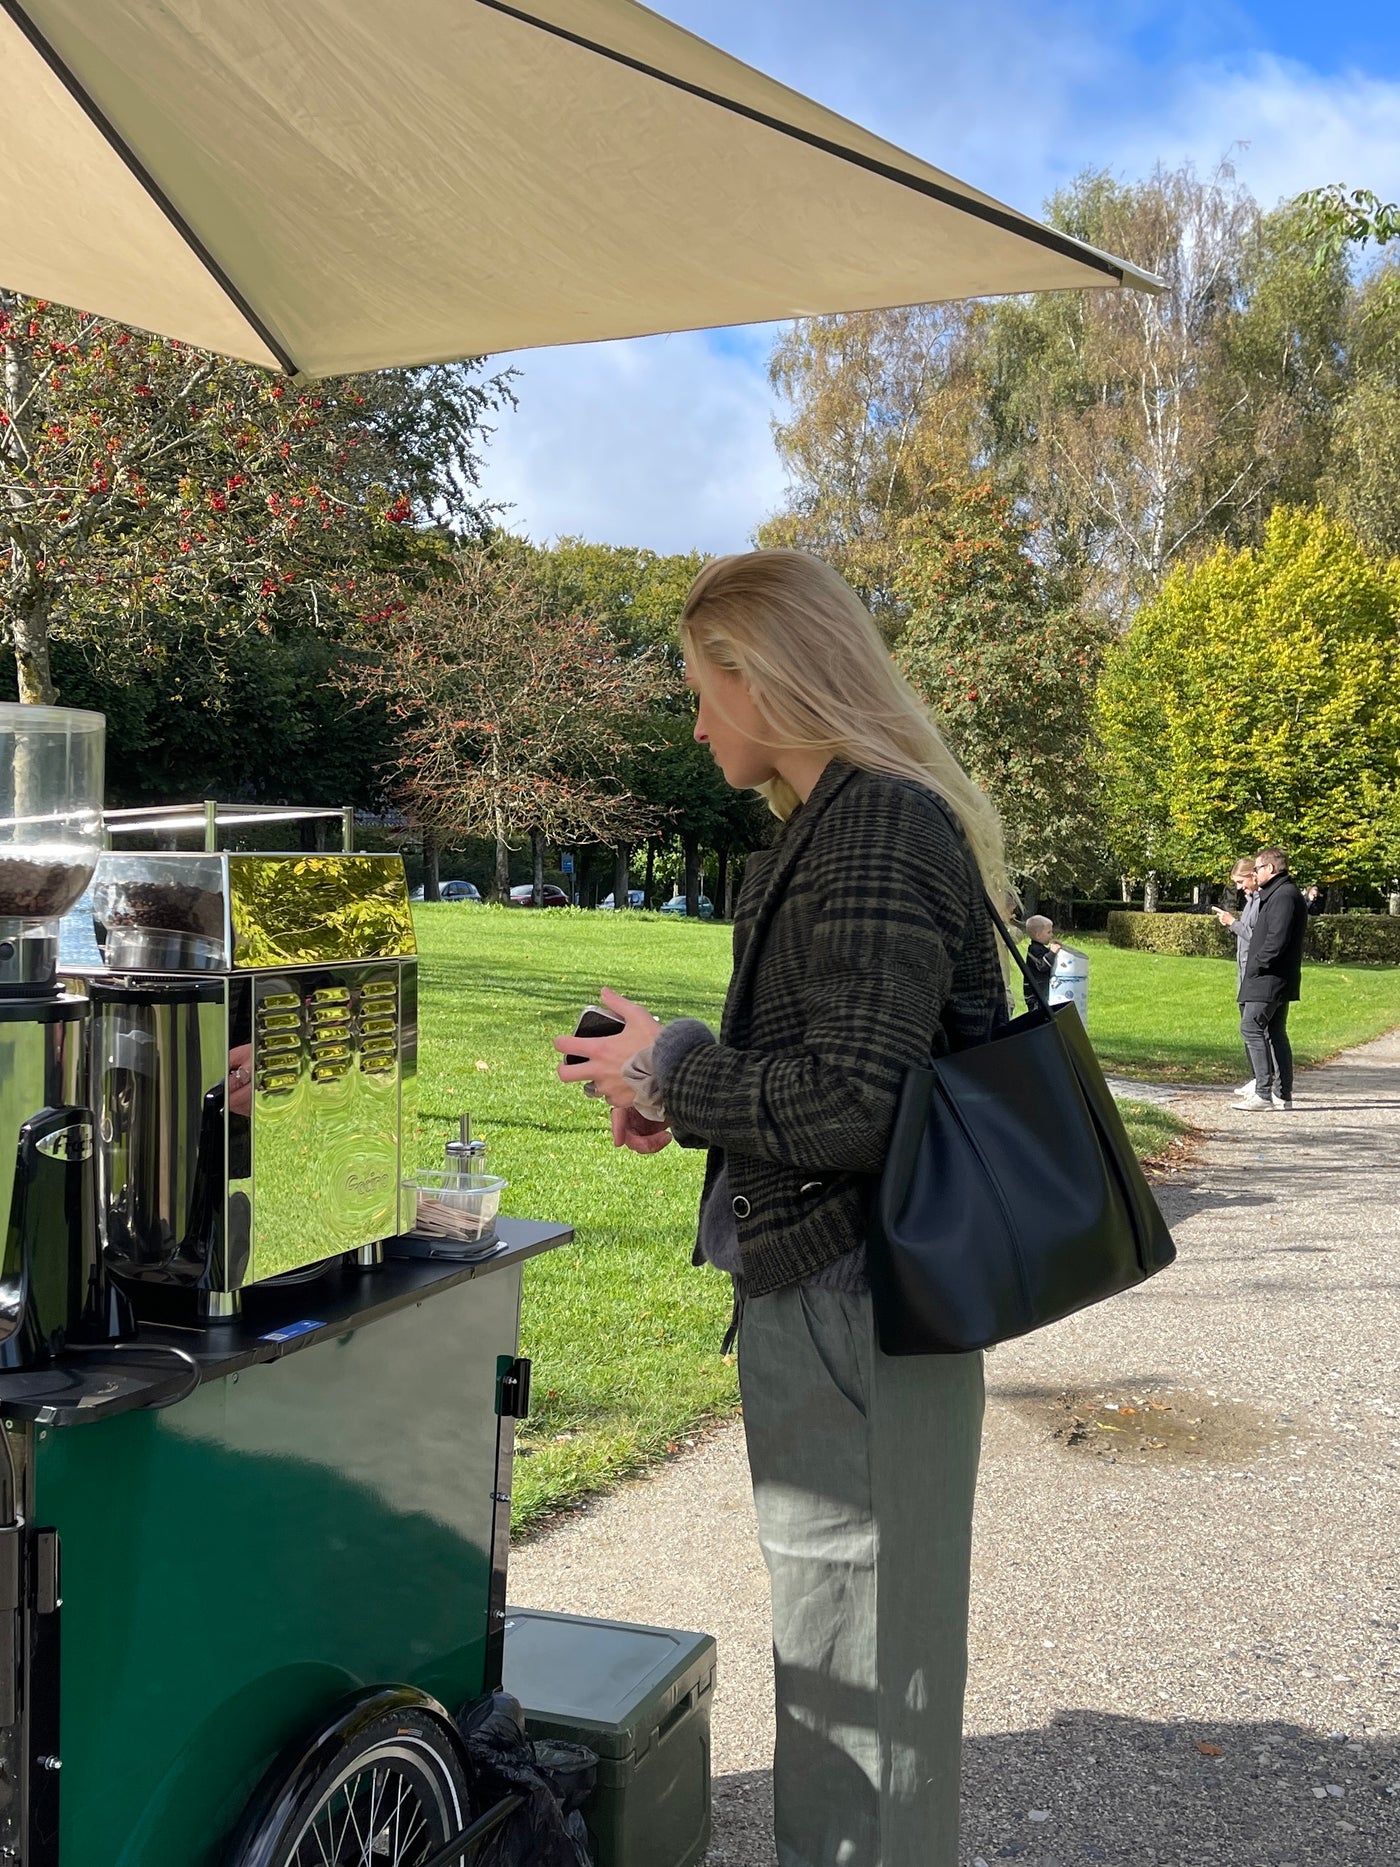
x=629 y=1129
x=605 y=1056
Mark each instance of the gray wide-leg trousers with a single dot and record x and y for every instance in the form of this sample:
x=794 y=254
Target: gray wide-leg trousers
x=864 y=1467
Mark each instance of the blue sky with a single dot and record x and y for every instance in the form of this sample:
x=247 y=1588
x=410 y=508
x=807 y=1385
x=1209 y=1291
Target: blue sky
x=666 y=441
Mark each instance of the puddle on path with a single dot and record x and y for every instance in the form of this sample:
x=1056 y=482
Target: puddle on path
x=1158 y=1426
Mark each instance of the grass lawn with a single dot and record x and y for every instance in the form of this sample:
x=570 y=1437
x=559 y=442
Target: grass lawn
x=1175 y=1020
x=623 y=1332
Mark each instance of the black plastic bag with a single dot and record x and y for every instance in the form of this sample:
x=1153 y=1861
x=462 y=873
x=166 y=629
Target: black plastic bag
x=548 y=1829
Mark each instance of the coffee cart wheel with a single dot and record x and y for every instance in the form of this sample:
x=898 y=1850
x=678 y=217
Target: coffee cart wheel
x=382 y=1783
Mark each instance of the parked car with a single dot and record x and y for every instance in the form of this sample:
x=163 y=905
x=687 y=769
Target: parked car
x=636 y=898
x=524 y=896
x=676 y=905
x=452 y=891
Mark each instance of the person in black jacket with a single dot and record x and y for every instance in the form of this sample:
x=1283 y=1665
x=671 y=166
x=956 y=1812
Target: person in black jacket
x=1271 y=982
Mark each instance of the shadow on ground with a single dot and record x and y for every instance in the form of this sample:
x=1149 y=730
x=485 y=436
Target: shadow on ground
x=1130 y=1792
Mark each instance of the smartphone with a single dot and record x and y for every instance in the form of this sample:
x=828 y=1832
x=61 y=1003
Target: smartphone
x=595 y=1023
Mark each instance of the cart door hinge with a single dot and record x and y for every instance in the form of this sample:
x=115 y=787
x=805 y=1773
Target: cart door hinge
x=513 y=1390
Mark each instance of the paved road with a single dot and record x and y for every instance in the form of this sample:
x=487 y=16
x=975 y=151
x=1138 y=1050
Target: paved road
x=1186 y=1624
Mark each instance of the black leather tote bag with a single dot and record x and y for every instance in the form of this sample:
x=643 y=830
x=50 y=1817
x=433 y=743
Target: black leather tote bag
x=1011 y=1195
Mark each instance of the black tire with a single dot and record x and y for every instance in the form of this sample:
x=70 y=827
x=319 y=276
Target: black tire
x=382 y=1781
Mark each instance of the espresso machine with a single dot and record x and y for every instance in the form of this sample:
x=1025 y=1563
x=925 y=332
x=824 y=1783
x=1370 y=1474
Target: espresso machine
x=53 y=1286
x=254 y=1041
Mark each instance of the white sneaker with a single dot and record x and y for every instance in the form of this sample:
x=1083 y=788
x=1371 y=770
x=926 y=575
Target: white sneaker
x=1245 y=1089
x=1282 y=1102
x=1247 y=1103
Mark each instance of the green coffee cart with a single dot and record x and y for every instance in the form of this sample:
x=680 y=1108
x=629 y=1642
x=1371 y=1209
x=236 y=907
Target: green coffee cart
x=205 y=1584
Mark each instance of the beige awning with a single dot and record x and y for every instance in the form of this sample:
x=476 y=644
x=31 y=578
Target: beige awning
x=332 y=185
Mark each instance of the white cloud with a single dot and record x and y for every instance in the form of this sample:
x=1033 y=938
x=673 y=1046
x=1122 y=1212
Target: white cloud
x=1300 y=129
x=659 y=441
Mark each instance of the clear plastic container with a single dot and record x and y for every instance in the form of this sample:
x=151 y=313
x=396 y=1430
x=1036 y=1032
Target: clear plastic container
x=50 y=809
x=160 y=911
x=457 y=1207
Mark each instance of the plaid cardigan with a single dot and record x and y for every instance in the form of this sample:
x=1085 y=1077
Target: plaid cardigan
x=861 y=945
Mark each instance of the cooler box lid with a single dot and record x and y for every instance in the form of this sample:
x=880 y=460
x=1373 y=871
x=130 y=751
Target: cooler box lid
x=611 y=1683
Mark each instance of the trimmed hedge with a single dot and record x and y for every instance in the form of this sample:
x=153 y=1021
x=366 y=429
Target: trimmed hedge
x=1355 y=939
x=1092 y=916
x=1333 y=939
x=1193 y=936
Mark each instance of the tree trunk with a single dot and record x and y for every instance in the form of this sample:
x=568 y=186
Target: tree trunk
x=31 y=604
x=537 y=868
x=1125 y=888
x=622 y=878
x=501 y=885
x=650 y=883
x=1149 y=893
x=1394 y=903
x=29 y=635
x=722 y=886
x=432 y=890
x=1030 y=897
x=691 y=857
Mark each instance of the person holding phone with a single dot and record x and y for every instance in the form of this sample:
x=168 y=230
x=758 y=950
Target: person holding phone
x=1241 y=925
x=862 y=944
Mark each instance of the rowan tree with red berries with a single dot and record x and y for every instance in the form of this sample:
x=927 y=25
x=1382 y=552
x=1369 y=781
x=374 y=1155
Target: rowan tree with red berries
x=141 y=477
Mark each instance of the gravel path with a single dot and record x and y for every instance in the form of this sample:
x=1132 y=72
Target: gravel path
x=1186 y=1621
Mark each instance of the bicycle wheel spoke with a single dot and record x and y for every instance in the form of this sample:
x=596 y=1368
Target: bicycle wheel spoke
x=391 y=1807
x=362 y=1841
x=397 y=1856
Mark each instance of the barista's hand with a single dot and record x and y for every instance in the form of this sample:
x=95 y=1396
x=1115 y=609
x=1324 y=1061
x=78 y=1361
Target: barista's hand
x=240 y=1080
x=629 y=1129
x=605 y=1056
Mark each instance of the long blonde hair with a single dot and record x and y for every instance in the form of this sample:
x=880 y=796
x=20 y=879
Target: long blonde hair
x=794 y=630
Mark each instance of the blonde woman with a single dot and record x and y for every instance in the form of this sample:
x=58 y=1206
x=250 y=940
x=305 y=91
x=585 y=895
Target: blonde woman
x=861 y=944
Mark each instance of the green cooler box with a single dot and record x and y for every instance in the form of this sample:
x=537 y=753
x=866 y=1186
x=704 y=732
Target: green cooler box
x=638 y=1696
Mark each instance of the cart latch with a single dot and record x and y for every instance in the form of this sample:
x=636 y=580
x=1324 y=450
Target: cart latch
x=513 y=1390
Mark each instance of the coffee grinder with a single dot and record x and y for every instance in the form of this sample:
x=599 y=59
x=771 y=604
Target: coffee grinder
x=53 y=1286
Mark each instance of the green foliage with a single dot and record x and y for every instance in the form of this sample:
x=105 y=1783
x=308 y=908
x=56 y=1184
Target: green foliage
x=1009 y=668
x=1257 y=701
x=1193 y=936
x=868 y=438
x=1132 y=430
x=1333 y=939
x=1354 y=939
x=1337 y=217
x=1363 y=481
x=637 y=595
x=139 y=477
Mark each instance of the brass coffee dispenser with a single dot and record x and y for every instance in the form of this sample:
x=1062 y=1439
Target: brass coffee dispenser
x=254 y=1044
